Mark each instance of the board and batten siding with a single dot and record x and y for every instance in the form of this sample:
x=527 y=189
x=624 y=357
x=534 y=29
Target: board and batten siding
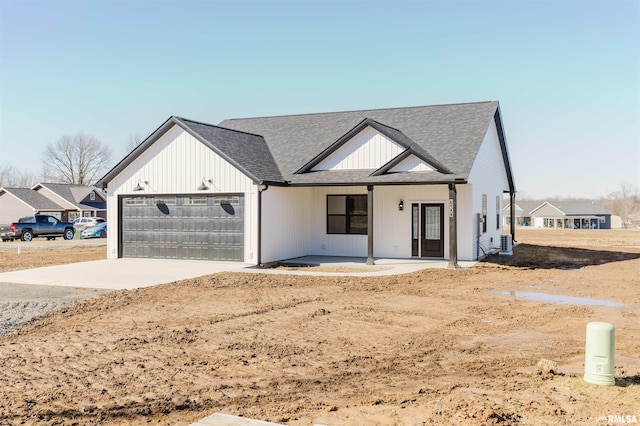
x=285 y=223
x=177 y=163
x=411 y=164
x=488 y=176
x=368 y=149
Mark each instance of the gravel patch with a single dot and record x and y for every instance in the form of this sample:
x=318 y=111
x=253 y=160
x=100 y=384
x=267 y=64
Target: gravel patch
x=21 y=303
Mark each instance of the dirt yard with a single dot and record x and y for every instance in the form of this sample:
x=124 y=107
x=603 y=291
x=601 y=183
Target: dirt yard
x=434 y=347
x=41 y=252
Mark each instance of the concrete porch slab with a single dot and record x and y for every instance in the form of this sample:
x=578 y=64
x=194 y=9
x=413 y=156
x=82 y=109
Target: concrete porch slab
x=356 y=266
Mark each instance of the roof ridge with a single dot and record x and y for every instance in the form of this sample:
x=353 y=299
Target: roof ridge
x=361 y=110
x=385 y=125
x=217 y=126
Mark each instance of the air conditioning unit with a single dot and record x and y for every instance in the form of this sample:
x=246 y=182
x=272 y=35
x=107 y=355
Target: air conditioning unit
x=506 y=245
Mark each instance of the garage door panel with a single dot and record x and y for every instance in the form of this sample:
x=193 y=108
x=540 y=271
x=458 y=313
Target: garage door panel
x=183 y=227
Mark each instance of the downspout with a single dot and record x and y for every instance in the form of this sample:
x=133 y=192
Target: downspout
x=370 y=260
x=261 y=189
x=453 y=227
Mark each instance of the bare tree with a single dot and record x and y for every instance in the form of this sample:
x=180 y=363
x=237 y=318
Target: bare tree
x=78 y=159
x=134 y=141
x=624 y=202
x=12 y=177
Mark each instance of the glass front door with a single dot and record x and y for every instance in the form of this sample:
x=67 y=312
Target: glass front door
x=427 y=230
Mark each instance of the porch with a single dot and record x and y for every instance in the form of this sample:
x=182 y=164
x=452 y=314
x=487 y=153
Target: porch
x=357 y=266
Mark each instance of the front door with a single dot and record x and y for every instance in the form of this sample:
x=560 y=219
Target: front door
x=428 y=230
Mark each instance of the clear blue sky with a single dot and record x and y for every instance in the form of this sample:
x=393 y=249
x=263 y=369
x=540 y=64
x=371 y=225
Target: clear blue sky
x=566 y=73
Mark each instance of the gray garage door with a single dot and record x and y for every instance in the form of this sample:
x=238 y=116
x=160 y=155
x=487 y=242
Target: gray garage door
x=207 y=227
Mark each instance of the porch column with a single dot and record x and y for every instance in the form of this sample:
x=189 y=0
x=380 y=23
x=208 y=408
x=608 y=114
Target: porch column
x=453 y=227
x=512 y=210
x=370 y=225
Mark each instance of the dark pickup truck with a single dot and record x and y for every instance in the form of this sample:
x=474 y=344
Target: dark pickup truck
x=40 y=225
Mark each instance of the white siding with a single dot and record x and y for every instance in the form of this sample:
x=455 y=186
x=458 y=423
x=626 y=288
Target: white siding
x=467 y=223
x=12 y=209
x=488 y=176
x=411 y=164
x=285 y=223
x=367 y=150
x=176 y=164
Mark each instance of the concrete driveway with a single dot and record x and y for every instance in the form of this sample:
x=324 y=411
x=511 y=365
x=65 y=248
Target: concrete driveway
x=118 y=274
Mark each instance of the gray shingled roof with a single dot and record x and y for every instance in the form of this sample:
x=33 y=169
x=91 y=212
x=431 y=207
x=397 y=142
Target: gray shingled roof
x=526 y=206
x=74 y=194
x=34 y=199
x=247 y=150
x=579 y=208
x=275 y=149
x=451 y=134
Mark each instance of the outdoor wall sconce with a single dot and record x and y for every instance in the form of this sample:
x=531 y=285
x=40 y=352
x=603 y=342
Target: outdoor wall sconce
x=139 y=186
x=203 y=186
x=401 y=205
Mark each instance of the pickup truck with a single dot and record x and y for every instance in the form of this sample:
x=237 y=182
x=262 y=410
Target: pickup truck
x=40 y=225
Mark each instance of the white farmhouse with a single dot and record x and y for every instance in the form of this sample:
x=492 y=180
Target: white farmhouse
x=417 y=182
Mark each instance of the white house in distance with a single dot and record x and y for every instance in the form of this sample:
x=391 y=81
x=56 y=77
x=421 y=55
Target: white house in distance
x=417 y=182
x=569 y=214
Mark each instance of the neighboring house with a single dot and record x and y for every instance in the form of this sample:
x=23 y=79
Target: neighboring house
x=417 y=182
x=77 y=200
x=571 y=215
x=522 y=210
x=20 y=202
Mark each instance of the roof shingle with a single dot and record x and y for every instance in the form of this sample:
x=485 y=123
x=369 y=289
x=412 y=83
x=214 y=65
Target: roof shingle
x=34 y=199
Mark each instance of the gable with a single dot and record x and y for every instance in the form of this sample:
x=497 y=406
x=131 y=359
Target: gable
x=368 y=149
x=179 y=162
x=246 y=152
x=411 y=164
x=547 y=210
x=97 y=198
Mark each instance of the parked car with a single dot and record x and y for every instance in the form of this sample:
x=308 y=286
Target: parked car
x=86 y=222
x=40 y=225
x=96 y=231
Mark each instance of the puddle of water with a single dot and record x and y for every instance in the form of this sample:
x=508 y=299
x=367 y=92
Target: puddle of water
x=558 y=298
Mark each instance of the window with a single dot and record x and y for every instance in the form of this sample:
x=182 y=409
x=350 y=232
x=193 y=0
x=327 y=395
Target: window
x=484 y=213
x=196 y=200
x=232 y=200
x=92 y=196
x=346 y=214
x=498 y=208
x=167 y=201
x=139 y=201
